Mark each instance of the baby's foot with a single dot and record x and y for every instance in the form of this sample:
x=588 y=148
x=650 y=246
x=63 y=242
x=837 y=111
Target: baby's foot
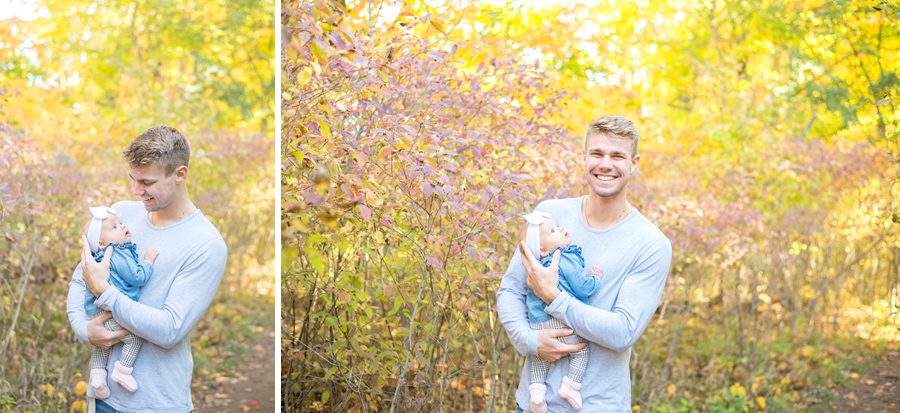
x=98 y=383
x=538 y=393
x=122 y=375
x=597 y=271
x=571 y=391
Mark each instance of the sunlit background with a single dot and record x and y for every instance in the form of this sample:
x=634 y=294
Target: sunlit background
x=415 y=132
x=78 y=80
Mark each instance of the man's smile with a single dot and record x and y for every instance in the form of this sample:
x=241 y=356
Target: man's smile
x=605 y=177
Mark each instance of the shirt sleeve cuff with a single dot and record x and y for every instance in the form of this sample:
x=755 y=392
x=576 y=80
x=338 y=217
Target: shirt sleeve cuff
x=532 y=343
x=106 y=300
x=557 y=308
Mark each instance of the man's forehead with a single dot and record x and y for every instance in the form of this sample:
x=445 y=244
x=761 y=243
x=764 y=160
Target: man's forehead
x=599 y=138
x=149 y=171
x=607 y=142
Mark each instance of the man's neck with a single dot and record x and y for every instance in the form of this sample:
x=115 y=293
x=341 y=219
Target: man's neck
x=604 y=212
x=173 y=213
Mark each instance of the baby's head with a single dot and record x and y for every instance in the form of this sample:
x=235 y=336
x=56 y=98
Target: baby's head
x=104 y=228
x=543 y=235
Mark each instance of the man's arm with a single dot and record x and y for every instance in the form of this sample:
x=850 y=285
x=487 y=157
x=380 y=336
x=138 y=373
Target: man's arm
x=635 y=304
x=75 y=306
x=512 y=309
x=87 y=330
x=189 y=296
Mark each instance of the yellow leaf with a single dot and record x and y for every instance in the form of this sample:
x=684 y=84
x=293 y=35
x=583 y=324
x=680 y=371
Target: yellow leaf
x=304 y=75
x=761 y=401
x=79 y=406
x=670 y=389
x=636 y=408
x=318 y=52
x=737 y=390
x=326 y=131
x=806 y=351
x=439 y=26
x=80 y=388
x=49 y=390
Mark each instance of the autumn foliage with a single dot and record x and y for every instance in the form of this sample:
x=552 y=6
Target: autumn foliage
x=412 y=135
x=77 y=82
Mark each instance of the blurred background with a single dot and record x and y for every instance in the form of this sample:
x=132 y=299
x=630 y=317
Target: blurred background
x=78 y=80
x=415 y=133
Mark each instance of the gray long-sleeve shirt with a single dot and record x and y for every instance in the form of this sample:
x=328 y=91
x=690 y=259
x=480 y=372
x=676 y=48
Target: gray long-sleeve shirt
x=192 y=256
x=635 y=257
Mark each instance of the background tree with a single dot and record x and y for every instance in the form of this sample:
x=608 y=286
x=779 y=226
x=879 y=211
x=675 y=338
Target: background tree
x=79 y=81
x=414 y=134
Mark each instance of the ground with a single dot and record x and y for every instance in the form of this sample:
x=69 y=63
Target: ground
x=248 y=389
x=876 y=391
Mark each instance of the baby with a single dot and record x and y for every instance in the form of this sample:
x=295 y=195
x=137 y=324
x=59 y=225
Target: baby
x=543 y=236
x=128 y=274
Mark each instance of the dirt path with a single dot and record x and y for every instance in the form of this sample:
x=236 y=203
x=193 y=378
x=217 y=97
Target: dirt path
x=249 y=390
x=877 y=391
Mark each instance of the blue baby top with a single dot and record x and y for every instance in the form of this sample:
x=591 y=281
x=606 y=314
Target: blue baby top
x=573 y=279
x=126 y=272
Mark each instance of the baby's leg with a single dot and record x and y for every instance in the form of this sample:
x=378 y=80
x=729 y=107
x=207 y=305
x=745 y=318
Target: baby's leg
x=130 y=350
x=577 y=360
x=125 y=365
x=539 y=369
x=570 y=389
x=99 y=359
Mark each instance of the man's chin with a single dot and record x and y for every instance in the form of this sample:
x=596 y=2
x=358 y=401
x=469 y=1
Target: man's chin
x=606 y=192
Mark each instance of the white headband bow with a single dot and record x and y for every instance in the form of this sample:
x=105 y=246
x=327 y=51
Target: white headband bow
x=533 y=233
x=98 y=214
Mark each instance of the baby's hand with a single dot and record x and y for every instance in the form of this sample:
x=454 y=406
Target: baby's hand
x=597 y=271
x=151 y=255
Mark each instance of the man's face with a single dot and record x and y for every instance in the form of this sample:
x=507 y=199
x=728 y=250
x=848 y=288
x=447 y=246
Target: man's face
x=113 y=232
x=151 y=184
x=608 y=164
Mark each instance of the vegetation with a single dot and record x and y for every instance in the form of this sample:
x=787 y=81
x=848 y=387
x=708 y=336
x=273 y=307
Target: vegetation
x=79 y=81
x=414 y=134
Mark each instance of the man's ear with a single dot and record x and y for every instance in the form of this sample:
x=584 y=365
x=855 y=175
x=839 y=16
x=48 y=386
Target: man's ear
x=181 y=174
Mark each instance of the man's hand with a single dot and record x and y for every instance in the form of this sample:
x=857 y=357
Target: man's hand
x=543 y=280
x=95 y=274
x=551 y=349
x=101 y=337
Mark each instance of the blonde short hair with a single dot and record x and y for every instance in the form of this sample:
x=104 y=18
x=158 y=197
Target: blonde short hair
x=617 y=126
x=163 y=144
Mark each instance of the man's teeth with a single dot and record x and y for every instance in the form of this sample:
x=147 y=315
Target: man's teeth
x=606 y=178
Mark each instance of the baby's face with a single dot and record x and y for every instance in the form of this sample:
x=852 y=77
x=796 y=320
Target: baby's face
x=113 y=232
x=553 y=236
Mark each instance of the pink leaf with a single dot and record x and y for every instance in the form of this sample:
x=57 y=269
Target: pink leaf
x=365 y=212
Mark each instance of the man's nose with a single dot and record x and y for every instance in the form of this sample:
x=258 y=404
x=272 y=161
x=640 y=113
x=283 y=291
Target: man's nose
x=605 y=162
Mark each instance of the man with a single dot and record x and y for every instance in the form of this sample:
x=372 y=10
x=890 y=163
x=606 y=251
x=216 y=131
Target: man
x=186 y=274
x=635 y=258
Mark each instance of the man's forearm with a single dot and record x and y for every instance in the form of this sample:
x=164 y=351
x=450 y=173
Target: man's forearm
x=514 y=317
x=75 y=307
x=188 y=297
x=615 y=330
